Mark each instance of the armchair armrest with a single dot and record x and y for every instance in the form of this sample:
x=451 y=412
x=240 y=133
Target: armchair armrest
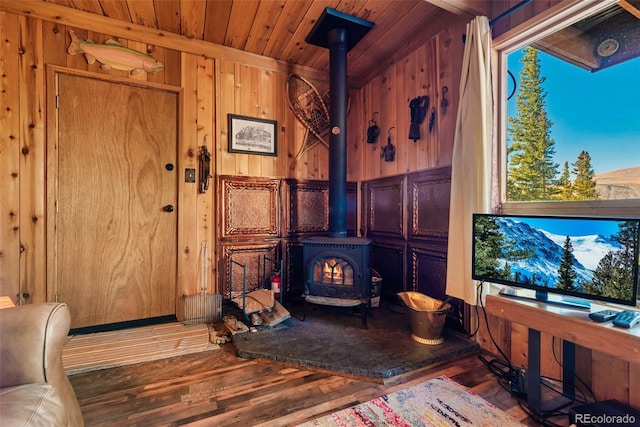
x=31 y=341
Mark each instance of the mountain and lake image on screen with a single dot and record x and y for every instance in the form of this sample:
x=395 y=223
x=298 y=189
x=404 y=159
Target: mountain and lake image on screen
x=593 y=258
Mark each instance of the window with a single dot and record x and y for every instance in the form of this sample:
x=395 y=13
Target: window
x=570 y=112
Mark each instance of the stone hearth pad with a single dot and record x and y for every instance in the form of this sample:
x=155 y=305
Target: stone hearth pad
x=331 y=338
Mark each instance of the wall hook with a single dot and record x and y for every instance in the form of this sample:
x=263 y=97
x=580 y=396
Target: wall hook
x=444 y=103
x=205 y=168
x=373 y=131
x=388 y=152
x=432 y=119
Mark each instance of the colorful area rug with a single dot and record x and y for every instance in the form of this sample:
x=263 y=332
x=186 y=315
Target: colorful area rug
x=437 y=402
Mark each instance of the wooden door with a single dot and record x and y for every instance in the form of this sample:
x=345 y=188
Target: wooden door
x=115 y=188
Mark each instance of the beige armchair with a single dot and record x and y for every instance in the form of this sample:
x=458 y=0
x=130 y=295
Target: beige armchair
x=34 y=389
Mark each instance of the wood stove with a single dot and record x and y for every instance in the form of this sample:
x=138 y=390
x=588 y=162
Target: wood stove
x=338 y=273
x=337 y=267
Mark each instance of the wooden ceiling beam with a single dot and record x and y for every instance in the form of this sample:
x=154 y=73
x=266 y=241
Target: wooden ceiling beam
x=463 y=7
x=629 y=8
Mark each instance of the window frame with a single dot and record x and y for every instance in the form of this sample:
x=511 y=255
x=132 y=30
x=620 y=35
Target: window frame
x=540 y=26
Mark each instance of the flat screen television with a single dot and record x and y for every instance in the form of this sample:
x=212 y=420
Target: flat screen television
x=579 y=259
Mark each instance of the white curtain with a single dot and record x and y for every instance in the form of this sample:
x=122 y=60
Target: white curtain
x=471 y=174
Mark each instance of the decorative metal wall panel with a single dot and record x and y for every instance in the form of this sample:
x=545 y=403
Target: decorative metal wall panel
x=306 y=207
x=428 y=271
x=385 y=207
x=388 y=259
x=417 y=260
x=251 y=255
x=250 y=207
x=429 y=194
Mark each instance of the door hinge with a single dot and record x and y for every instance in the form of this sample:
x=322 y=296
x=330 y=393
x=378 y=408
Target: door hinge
x=57 y=207
x=57 y=102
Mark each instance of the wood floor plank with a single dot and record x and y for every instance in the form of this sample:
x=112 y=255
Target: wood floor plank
x=82 y=353
x=216 y=388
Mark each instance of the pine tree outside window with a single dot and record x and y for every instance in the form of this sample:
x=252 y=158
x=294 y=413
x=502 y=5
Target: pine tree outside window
x=568 y=117
x=569 y=112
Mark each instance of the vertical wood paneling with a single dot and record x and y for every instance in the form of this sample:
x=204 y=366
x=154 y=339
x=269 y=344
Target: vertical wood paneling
x=550 y=356
x=450 y=68
x=356 y=133
x=426 y=151
x=405 y=89
x=370 y=154
x=188 y=244
x=10 y=140
x=252 y=87
x=409 y=78
x=388 y=101
x=242 y=102
x=32 y=182
x=501 y=331
x=205 y=211
x=284 y=123
x=519 y=343
x=54 y=39
x=583 y=365
x=225 y=161
x=634 y=385
x=610 y=378
x=424 y=71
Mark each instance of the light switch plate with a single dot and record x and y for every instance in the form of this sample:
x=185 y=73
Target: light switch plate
x=189 y=175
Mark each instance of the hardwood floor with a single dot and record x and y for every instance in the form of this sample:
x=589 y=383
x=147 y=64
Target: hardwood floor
x=216 y=388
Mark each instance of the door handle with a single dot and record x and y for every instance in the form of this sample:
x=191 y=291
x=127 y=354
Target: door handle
x=168 y=208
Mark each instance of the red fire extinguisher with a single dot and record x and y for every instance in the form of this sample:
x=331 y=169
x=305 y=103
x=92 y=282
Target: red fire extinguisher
x=275 y=284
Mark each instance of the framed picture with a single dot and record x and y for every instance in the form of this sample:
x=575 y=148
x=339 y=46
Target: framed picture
x=251 y=135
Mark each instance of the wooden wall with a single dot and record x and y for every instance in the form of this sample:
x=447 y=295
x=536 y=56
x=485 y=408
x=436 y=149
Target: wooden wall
x=423 y=72
x=213 y=81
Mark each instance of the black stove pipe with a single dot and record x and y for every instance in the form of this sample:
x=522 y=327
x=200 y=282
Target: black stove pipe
x=337 y=41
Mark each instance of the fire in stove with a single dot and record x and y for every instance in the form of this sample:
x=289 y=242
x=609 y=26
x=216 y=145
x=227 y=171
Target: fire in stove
x=335 y=271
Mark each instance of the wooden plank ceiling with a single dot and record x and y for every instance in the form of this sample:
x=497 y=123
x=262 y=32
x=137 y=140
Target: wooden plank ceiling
x=278 y=28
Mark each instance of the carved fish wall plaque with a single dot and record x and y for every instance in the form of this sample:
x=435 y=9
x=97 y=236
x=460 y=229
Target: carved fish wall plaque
x=112 y=54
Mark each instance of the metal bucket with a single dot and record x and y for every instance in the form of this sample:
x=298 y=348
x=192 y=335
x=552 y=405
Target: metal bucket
x=427 y=319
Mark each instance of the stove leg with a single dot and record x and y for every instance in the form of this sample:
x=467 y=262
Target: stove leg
x=364 y=308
